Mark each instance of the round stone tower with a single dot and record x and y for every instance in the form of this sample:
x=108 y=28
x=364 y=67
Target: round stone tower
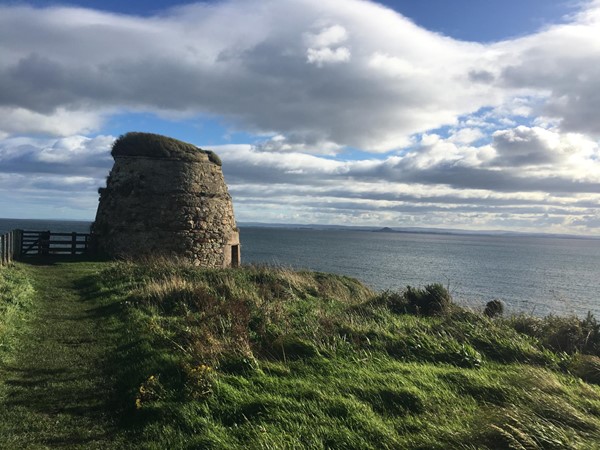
x=164 y=197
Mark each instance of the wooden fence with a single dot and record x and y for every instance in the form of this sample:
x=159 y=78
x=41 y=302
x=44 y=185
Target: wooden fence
x=19 y=244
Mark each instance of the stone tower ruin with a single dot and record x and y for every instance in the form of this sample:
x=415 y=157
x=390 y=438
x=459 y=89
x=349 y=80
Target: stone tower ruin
x=164 y=197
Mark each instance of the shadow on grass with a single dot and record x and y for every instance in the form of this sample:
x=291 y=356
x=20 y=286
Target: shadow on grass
x=57 y=388
x=56 y=398
x=131 y=355
x=51 y=260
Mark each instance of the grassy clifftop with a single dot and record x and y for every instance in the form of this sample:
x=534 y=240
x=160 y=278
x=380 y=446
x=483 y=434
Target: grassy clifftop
x=270 y=358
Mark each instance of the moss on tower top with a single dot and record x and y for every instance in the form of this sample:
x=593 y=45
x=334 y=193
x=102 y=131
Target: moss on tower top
x=152 y=145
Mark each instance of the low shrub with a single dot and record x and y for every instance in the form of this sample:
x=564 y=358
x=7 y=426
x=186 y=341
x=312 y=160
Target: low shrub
x=395 y=301
x=494 y=308
x=433 y=299
x=562 y=334
x=524 y=324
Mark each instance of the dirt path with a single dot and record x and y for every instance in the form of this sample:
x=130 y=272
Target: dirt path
x=56 y=392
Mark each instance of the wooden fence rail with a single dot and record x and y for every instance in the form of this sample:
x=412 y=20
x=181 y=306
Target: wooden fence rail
x=23 y=243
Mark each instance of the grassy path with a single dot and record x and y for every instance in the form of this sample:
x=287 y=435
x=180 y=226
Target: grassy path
x=56 y=391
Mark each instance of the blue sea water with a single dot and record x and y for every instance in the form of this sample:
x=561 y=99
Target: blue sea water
x=535 y=275
x=58 y=226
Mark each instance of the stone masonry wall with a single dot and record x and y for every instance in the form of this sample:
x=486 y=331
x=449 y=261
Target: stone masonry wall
x=169 y=207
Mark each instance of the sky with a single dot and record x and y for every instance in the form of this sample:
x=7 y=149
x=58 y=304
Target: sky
x=432 y=113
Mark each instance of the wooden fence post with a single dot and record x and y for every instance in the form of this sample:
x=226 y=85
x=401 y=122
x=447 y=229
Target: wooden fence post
x=45 y=243
x=13 y=246
x=1 y=250
x=73 y=243
x=19 y=243
x=9 y=246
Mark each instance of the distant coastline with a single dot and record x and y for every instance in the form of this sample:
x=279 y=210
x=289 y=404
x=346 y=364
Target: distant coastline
x=418 y=230
x=12 y=223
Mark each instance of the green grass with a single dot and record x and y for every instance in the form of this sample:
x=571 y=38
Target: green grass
x=16 y=295
x=165 y=355
x=56 y=389
x=270 y=358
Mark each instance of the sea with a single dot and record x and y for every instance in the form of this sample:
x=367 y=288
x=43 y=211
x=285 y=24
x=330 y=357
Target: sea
x=532 y=275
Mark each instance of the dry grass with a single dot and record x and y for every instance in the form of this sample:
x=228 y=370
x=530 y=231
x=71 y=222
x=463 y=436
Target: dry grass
x=243 y=313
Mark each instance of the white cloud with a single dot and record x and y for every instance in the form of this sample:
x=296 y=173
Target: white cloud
x=393 y=66
x=562 y=63
x=242 y=60
x=59 y=122
x=441 y=182
x=69 y=156
x=327 y=37
x=323 y=47
x=322 y=56
x=64 y=69
x=547 y=152
x=280 y=143
x=466 y=135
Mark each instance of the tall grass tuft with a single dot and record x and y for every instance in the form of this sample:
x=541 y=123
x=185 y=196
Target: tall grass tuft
x=561 y=334
x=586 y=367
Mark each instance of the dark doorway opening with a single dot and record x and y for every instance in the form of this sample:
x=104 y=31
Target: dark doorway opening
x=235 y=255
